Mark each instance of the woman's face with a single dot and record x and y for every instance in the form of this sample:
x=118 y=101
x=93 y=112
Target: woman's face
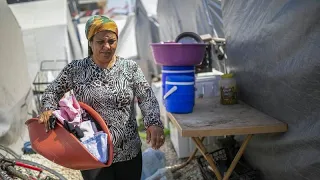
x=104 y=45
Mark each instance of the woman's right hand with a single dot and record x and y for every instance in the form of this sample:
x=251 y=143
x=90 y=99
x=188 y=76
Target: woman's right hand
x=44 y=118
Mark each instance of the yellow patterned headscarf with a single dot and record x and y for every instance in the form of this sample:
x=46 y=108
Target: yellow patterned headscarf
x=99 y=23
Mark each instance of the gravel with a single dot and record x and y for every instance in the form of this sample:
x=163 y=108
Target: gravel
x=190 y=172
x=70 y=174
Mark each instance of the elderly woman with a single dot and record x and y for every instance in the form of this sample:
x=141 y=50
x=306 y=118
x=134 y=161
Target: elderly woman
x=109 y=84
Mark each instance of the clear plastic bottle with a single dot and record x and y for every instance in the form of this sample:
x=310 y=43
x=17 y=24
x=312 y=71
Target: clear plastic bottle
x=228 y=90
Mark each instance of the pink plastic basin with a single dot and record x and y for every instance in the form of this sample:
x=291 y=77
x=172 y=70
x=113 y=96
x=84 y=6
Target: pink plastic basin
x=178 y=54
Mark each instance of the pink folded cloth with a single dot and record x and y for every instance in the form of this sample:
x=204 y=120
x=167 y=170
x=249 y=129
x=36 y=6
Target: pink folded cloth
x=69 y=110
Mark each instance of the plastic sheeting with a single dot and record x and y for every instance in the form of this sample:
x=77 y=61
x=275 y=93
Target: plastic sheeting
x=75 y=48
x=15 y=89
x=199 y=16
x=147 y=31
x=273 y=48
x=45 y=31
x=127 y=46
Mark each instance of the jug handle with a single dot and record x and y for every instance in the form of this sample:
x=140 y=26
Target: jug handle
x=172 y=90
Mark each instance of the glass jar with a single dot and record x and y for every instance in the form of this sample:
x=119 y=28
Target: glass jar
x=228 y=90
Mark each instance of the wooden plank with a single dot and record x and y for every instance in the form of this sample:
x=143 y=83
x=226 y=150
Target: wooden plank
x=210 y=118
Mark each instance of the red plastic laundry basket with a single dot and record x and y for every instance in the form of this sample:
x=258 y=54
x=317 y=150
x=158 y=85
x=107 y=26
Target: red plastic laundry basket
x=63 y=148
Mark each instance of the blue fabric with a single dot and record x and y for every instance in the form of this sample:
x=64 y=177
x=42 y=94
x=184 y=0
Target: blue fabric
x=98 y=146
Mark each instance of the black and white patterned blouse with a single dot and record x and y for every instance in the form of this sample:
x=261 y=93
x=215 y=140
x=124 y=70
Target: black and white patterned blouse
x=111 y=93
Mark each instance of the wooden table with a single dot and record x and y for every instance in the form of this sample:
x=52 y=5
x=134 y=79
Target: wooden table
x=210 y=118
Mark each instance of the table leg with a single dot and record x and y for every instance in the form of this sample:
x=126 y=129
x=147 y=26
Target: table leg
x=207 y=156
x=191 y=157
x=237 y=157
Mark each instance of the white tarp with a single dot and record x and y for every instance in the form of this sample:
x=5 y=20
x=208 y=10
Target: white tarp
x=45 y=31
x=150 y=6
x=127 y=45
x=15 y=87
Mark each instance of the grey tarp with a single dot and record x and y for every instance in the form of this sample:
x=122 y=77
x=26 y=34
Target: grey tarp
x=199 y=16
x=273 y=48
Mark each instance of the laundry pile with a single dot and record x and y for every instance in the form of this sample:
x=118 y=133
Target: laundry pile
x=78 y=122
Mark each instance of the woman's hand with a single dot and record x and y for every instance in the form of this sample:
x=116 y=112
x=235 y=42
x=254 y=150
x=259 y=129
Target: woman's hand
x=155 y=134
x=44 y=118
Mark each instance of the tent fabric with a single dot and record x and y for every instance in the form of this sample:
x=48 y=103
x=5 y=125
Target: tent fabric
x=31 y=19
x=150 y=6
x=147 y=31
x=44 y=30
x=75 y=45
x=15 y=87
x=127 y=47
x=273 y=49
x=198 y=16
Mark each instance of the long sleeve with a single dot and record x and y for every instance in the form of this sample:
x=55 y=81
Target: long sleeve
x=57 y=89
x=146 y=99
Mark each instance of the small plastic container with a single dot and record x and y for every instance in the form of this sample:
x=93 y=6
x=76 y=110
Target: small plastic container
x=228 y=90
x=180 y=94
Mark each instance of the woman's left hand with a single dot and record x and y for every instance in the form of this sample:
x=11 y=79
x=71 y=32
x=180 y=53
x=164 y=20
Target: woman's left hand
x=155 y=134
